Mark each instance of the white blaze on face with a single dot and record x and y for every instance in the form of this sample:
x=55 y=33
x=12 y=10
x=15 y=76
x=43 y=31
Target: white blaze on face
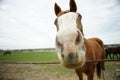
x=67 y=35
x=67 y=29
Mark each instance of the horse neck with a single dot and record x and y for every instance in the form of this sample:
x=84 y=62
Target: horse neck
x=88 y=49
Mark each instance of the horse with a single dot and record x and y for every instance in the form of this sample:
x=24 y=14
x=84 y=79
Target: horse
x=111 y=52
x=108 y=53
x=118 y=52
x=73 y=49
x=6 y=53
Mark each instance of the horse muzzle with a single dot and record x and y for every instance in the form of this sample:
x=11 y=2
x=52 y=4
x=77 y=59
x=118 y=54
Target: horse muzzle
x=71 y=61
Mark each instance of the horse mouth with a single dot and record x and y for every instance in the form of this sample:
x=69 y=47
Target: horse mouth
x=72 y=66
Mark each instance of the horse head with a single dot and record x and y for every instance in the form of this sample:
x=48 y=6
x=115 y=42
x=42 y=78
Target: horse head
x=69 y=39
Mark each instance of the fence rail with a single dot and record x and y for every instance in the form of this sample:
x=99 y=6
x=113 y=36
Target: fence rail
x=106 y=60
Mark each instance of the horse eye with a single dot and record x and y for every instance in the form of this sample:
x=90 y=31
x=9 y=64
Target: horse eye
x=79 y=16
x=77 y=41
x=62 y=48
x=58 y=43
x=55 y=22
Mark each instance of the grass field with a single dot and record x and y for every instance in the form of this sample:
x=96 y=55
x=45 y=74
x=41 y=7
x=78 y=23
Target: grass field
x=41 y=71
x=30 y=57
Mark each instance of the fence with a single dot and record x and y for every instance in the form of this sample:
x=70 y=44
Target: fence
x=106 y=60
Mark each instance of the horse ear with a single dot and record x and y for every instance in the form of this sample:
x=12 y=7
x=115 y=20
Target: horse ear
x=73 y=7
x=57 y=9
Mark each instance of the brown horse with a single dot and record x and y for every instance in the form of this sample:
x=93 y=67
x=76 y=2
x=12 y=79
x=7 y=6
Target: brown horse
x=6 y=53
x=73 y=49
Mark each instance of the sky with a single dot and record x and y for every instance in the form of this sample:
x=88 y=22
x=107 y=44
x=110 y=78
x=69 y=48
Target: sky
x=30 y=23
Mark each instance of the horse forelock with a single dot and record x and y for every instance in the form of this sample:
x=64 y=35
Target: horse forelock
x=62 y=13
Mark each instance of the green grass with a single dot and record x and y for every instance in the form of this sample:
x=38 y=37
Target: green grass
x=30 y=57
x=38 y=57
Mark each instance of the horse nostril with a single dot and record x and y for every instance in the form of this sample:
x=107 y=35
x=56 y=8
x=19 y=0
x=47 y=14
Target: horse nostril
x=70 y=57
x=62 y=55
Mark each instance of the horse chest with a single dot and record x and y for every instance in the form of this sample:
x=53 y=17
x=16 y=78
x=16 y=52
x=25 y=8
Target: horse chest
x=87 y=67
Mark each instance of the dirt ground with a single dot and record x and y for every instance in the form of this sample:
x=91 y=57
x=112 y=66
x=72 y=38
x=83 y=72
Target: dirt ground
x=32 y=72
x=40 y=72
